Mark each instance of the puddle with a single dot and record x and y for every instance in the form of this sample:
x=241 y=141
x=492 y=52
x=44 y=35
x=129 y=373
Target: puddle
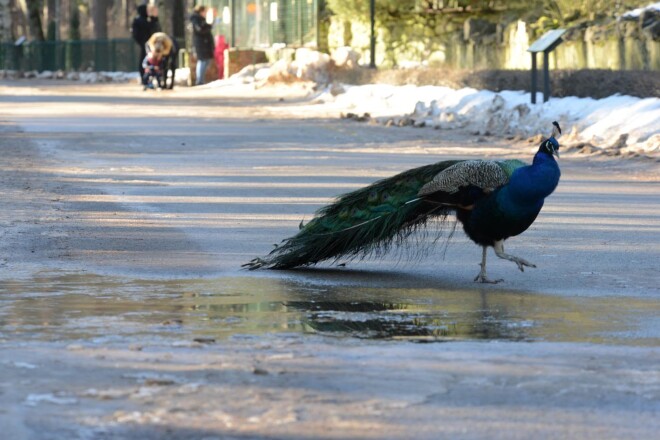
x=109 y=309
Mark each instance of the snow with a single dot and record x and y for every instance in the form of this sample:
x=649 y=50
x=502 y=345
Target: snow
x=627 y=123
x=598 y=121
x=637 y=12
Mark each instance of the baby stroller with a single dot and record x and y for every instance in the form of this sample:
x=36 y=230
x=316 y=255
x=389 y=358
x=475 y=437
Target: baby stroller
x=160 y=61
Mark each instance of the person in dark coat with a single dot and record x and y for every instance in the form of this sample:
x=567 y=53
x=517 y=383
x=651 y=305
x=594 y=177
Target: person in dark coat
x=202 y=42
x=143 y=26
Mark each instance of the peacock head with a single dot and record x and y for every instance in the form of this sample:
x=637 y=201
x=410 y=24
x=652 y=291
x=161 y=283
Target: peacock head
x=550 y=145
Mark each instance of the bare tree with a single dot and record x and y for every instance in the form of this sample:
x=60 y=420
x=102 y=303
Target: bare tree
x=173 y=17
x=51 y=6
x=5 y=21
x=100 y=17
x=53 y=21
x=34 y=19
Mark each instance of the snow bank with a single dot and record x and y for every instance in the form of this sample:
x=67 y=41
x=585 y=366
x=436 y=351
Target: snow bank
x=88 y=77
x=631 y=124
x=306 y=65
x=600 y=122
x=182 y=75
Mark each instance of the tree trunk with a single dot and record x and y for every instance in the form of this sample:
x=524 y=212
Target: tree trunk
x=178 y=13
x=100 y=18
x=5 y=21
x=51 y=5
x=53 y=20
x=34 y=20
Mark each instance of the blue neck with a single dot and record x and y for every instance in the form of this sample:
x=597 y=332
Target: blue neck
x=534 y=182
x=542 y=158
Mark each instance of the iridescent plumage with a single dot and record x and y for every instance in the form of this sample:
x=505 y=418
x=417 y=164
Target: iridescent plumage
x=493 y=200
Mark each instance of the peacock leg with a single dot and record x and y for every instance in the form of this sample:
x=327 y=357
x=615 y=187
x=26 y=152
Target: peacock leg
x=499 y=251
x=482 y=278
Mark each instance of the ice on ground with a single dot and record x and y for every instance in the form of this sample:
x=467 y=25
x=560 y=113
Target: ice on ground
x=35 y=399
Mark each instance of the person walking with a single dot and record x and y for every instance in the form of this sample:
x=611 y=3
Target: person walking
x=144 y=25
x=202 y=42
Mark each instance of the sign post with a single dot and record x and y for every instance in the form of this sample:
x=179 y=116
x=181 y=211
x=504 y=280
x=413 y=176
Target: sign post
x=372 y=20
x=546 y=44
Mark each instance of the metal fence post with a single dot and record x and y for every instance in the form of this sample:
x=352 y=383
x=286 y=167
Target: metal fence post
x=533 y=77
x=113 y=49
x=372 y=8
x=233 y=22
x=546 y=76
x=300 y=23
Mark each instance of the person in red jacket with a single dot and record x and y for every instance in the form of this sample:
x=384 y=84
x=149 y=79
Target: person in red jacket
x=220 y=47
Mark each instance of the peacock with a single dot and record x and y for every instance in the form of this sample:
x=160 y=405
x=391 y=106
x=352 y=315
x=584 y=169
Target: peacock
x=492 y=199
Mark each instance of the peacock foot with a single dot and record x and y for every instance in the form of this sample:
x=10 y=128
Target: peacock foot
x=482 y=278
x=254 y=264
x=521 y=262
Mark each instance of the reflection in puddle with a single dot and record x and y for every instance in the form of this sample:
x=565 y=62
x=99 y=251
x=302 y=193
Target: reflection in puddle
x=390 y=320
x=110 y=309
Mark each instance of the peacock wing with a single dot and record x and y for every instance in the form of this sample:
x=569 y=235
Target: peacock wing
x=485 y=174
x=510 y=165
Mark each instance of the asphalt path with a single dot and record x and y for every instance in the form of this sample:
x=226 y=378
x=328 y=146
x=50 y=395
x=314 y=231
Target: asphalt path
x=114 y=196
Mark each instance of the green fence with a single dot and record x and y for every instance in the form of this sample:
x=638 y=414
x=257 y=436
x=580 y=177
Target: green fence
x=119 y=55
x=263 y=23
x=256 y=24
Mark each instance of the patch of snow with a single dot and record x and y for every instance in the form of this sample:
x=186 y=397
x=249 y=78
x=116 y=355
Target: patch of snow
x=46 y=74
x=598 y=121
x=307 y=65
x=635 y=13
x=25 y=365
x=35 y=399
x=345 y=57
x=182 y=76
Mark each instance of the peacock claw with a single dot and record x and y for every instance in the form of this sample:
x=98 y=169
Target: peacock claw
x=482 y=278
x=498 y=246
x=522 y=263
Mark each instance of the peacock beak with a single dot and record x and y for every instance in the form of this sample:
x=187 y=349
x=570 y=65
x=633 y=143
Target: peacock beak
x=555 y=151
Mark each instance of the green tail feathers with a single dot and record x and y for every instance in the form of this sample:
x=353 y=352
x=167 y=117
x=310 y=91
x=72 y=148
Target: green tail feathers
x=368 y=220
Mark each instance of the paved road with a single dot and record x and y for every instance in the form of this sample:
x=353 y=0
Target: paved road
x=125 y=313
